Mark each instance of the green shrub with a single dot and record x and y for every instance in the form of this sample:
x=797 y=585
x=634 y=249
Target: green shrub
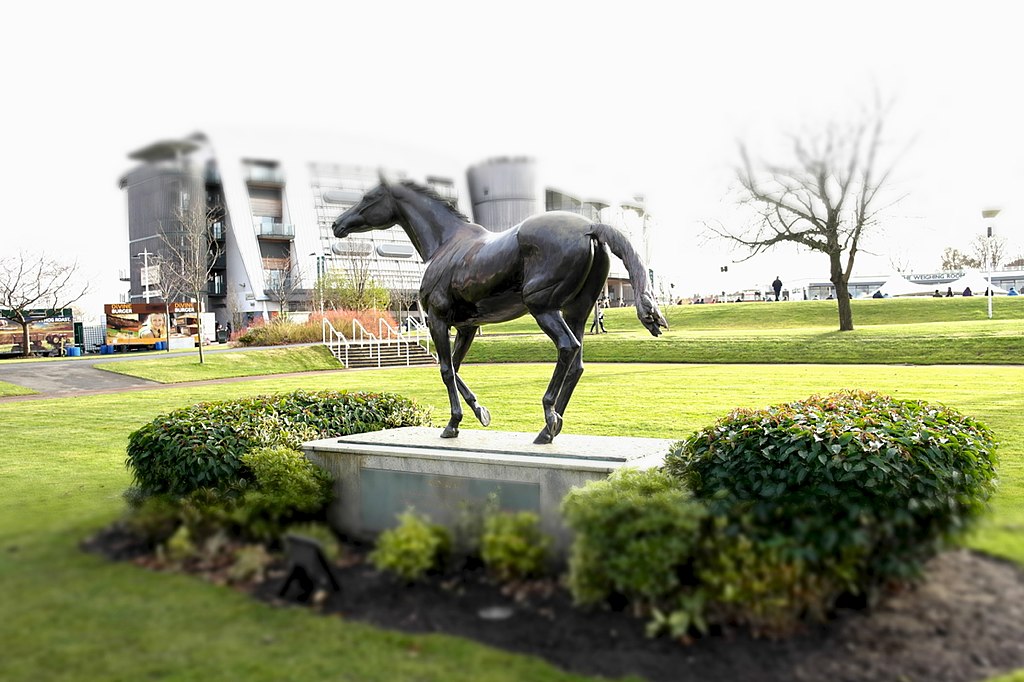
x=288 y=488
x=153 y=519
x=834 y=493
x=180 y=546
x=280 y=332
x=635 y=535
x=763 y=585
x=512 y=545
x=412 y=548
x=249 y=564
x=202 y=446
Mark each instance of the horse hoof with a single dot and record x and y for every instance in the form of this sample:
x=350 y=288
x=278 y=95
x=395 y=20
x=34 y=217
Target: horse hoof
x=543 y=438
x=555 y=424
x=450 y=432
x=483 y=415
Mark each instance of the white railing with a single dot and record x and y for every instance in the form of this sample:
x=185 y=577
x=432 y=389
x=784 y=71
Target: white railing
x=339 y=345
x=334 y=340
x=390 y=335
x=361 y=336
x=420 y=332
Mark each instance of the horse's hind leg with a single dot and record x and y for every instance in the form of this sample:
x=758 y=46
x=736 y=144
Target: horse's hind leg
x=568 y=353
x=575 y=370
x=463 y=340
x=439 y=334
x=575 y=314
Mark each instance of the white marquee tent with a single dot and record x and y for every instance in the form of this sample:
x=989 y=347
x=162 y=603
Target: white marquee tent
x=898 y=285
x=977 y=282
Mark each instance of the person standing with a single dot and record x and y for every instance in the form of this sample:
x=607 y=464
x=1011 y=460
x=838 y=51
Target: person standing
x=777 y=287
x=597 y=326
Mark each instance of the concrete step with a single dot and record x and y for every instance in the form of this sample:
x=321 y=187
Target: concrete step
x=391 y=355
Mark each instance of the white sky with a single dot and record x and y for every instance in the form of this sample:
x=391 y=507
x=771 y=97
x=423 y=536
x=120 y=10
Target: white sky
x=648 y=97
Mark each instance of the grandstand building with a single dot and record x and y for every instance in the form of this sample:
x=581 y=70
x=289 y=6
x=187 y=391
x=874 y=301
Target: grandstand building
x=276 y=200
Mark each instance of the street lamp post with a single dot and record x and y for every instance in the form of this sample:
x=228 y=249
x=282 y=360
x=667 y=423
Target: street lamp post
x=321 y=271
x=989 y=214
x=145 y=274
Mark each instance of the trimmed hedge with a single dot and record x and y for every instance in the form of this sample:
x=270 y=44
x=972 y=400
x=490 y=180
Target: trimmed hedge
x=832 y=494
x=768 y=517
x=634 y=531
x=202 y=446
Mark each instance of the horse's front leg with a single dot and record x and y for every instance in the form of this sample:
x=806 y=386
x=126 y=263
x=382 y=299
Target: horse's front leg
x=568 y=347
x=439 y=334
x=463 y=340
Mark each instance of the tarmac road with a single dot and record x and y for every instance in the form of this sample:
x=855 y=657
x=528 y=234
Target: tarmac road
x=79 y=376
x=60 y=378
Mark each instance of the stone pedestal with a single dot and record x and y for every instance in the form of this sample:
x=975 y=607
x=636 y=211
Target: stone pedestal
x=379 y=475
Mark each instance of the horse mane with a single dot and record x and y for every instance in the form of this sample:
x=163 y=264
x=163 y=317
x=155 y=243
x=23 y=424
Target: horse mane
x=432 y=194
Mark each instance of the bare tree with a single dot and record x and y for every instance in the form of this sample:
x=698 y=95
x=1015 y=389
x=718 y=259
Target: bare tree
x=283 y=284
x=955 y=259
x=989 y=252
x=402 y=296
x=34 y=287
x=187 y=257
x=824 y=199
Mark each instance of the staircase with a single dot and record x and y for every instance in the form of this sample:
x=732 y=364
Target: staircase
x=384 y=354
x=388 y=348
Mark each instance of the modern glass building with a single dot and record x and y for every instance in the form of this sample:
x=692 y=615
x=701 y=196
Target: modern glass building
x=271 y=203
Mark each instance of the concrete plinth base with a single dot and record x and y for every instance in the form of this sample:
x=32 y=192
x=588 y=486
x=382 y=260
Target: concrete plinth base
x=379 y=475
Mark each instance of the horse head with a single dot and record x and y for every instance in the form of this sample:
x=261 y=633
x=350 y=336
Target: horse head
x=377 y=210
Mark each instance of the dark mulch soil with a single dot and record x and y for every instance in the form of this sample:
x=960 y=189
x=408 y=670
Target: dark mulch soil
x=964 y=623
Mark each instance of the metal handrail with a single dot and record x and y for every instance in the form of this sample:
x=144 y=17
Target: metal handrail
x=363 y=335
x=422 y=334
x=336 y=342
x=393 y=335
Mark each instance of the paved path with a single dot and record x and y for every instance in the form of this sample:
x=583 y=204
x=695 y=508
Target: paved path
x=79 y=376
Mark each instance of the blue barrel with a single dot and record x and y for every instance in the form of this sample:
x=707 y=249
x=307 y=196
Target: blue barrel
x=73 y=351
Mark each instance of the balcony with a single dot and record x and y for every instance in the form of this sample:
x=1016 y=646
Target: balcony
x=217 y=232
x=278 y=231
x=215 y=288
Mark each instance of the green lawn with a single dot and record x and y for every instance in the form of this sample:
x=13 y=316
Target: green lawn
x=988 y=342
x=803 y=314
x=7 y=389
x=70 y=616
x=985 y=342
x=175 y=369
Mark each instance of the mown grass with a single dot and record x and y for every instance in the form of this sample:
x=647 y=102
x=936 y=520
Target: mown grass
x=70 y=616
x=988 y=342
x=801 y=314
x=8 y=389
x=176 y=369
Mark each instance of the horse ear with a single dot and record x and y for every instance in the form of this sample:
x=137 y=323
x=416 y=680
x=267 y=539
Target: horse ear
x=383 y=179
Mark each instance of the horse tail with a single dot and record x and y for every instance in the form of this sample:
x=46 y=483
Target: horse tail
x=646 y=306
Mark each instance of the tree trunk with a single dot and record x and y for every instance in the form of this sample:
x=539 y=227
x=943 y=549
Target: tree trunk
x=838 y=280
x=26 y=343
x=199 y=325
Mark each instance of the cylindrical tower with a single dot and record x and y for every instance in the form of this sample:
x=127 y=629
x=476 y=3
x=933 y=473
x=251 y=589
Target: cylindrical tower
x=503 y=192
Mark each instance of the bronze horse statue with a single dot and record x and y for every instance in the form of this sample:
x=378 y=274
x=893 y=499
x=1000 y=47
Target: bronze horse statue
x=552 y=265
